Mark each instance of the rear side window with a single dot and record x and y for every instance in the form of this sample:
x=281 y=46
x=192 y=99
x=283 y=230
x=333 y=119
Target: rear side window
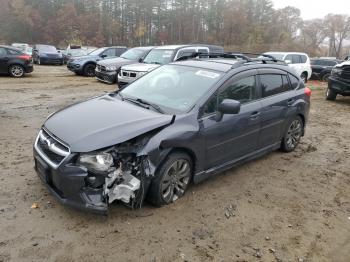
x=13 y=52
x=286 y=85
x=271 y=84
x=303 y=59
x=296 y=59
x=294 y=81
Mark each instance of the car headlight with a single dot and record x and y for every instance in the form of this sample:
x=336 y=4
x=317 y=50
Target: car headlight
x=111 y=68
x=336 y=71
x=99 y=162
x=142 y=73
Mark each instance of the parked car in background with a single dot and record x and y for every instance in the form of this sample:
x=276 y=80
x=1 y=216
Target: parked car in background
x=107 y=70
x=300 y=62
x=73 y=53
x=47 y=54
x=163 y=55
x=339 y=81
x=182 y=122
x=322 y=67
x=14 y=62
x=86 y=64
x=27 y=49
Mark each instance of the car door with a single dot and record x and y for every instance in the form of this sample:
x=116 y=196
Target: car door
x=4 y=58
x=234 y=136
x=276 y=99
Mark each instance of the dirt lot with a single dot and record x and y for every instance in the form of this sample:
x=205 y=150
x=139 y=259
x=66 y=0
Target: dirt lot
x=282 y=207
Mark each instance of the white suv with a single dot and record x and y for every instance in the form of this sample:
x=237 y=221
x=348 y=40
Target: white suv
x=300 y=62
x=163 y=55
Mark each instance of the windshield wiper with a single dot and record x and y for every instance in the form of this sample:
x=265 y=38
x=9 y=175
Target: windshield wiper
x=155 y=106
x=143 y=103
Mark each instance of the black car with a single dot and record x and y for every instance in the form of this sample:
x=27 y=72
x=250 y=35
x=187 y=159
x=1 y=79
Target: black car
x=14 y=62
x=182 y=122
x=107 y=70
x=85 y=65
x=47 y=54
x=339 y=81
x=322 y=68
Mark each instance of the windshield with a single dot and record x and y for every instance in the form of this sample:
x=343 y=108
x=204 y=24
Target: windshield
x=133 y=54
x=159 y=56
x=47 y=48
x=174 y=88
x=97 y=51
x=77 y=52
x=276 y=56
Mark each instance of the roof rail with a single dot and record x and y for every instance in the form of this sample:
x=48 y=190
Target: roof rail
x=242 y=57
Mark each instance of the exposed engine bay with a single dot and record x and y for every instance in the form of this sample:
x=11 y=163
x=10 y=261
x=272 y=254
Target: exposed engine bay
x=121 y=173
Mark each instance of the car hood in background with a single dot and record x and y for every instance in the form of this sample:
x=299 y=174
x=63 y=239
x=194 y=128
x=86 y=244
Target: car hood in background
x=52 y=54
x=114 y=61
x=101 y=122
x=142 y=67
x=346 y=63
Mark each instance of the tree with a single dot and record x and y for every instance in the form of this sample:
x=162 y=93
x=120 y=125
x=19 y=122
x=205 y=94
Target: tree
x=338 y=29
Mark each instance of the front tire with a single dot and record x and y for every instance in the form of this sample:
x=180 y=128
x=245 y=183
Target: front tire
x=16 y=71
x=330 y=94
x=292 y=135
x=89 y=70
x=171 y=180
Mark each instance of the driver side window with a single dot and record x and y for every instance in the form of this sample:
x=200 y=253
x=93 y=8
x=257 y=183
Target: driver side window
x=110 y=52
x=243 y=90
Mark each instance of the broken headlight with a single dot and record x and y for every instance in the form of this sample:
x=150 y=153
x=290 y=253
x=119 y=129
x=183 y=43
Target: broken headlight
x=99 y=162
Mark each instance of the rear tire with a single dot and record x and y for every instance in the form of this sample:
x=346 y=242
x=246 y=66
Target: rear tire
x=89 y=70
x=16 y=71
x=171 y=179
x=330 y=94
x=292 y=135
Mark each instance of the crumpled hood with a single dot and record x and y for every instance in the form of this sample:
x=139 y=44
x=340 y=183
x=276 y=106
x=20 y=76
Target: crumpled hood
x=140 y=67
x=101 y=122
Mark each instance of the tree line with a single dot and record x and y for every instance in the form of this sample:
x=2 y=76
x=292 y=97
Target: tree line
x=239 y=25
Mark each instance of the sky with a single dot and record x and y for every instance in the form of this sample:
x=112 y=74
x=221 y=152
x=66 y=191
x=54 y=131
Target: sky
x=316 y=8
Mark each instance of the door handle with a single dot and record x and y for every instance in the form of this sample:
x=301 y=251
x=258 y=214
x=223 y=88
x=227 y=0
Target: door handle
x=255 y=115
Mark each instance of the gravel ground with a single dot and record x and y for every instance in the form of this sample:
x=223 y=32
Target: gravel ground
x=281 y=207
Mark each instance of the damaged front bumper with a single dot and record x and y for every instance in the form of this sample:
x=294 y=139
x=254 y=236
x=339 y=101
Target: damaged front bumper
x=67 y=184
x=79 y=185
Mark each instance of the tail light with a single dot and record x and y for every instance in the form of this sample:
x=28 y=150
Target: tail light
x=25 y=57
x=307 y=91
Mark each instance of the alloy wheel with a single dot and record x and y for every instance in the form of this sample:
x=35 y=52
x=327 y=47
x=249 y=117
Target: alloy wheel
x=294 y=134
x=17 y=71
x=175 y=180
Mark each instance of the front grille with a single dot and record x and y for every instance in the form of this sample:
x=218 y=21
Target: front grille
x=52 y=150
x=128 y=74
x=345 y=73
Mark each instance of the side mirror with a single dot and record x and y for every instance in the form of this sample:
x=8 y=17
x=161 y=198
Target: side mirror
x=288 y=61
x=228 y=106
x=103 y=56
x=140 y=60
